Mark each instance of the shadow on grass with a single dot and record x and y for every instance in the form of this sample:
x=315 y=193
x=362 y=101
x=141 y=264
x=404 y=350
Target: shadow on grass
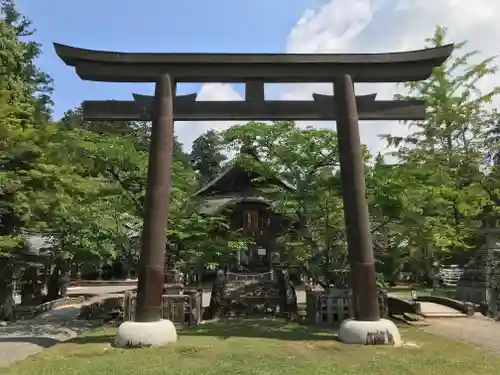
x=91 y=339
x=43 y=342
x=260 y=328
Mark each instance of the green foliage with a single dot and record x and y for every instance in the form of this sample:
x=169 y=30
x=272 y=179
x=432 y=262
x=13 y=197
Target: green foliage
x=305 y=162
x=442 y=182
x=21 y=73
x=23 y=163
x=206 y=156
x=83 y=182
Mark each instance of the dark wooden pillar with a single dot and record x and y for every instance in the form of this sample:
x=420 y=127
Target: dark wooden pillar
x=359 y=240
x=152 y=260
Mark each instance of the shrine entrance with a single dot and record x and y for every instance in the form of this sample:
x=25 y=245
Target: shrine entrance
x=344 y=107
x=255 y=222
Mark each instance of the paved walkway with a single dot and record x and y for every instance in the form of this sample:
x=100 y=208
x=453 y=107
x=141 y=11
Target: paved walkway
x=476 y=330
x=21 y=339
x=431 y=309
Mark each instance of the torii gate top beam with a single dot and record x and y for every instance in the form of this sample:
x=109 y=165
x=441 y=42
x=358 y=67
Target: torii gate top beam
x=222 y=67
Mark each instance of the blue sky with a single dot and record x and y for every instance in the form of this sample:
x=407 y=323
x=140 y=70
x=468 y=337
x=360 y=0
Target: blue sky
x=303 y=26
x=152 y=26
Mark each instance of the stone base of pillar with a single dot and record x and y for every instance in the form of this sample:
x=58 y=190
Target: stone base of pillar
x=379 y=332
x=145 y=334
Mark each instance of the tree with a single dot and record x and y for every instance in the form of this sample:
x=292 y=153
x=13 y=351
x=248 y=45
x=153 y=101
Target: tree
x=43 y=189
x=444 y=157
x=307 y=161
x=139 y=132
x=207 y=157
x=24 y=100
x=16 y=108
x=120 y=164
x=73 y=119
x=38 y=84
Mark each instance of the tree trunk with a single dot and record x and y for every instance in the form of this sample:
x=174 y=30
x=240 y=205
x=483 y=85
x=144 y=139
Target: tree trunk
x=6 y=289
x=288 y=298
x=58 y=280
x=30 y=290
x=214 y=309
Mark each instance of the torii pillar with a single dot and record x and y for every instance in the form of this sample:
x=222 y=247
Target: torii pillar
x=149 y=328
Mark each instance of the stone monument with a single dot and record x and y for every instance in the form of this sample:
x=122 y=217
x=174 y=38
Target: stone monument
x=480 y=281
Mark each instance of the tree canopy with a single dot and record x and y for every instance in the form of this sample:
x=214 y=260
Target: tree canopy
x=82 y=183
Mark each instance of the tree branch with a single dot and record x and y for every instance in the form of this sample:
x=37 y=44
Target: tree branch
x=117 y=178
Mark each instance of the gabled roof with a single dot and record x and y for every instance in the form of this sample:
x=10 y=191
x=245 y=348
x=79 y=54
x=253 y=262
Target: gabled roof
x=213 y=205
x=235 y=166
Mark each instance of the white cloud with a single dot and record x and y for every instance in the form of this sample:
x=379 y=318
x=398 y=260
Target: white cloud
x=390 y=25
x=336 y=26
x=188 y=131
x=331 y=26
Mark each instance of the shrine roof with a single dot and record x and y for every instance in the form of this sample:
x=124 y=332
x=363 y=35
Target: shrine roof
x=237 y=170
x=213 y=205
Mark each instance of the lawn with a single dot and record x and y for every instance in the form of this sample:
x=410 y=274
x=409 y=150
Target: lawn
x=258 y=347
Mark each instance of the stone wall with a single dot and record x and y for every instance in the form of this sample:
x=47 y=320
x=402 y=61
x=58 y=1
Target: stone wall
x=248 y=298
x=334 y=306
x=106 y=308
x=184 y=309
x=250 y=294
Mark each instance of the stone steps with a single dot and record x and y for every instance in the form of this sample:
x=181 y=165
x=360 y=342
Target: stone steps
x=250 y=296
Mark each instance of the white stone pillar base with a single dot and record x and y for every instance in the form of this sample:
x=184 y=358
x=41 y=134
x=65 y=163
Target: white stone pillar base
x=379 y=332
x=145 y=334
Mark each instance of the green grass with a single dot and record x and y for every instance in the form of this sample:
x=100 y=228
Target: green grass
x=258 y=347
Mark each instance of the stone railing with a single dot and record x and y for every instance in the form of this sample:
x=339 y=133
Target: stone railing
x=93 y=283
x=23 y=312
x=182 y=309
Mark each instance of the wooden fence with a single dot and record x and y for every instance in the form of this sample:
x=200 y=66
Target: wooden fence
x=181 y=309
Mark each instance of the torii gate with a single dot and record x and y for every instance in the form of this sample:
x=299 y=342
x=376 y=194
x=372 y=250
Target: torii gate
x=167 y=69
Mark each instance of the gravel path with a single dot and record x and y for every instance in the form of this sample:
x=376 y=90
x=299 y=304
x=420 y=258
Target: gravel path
x=21 y=339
